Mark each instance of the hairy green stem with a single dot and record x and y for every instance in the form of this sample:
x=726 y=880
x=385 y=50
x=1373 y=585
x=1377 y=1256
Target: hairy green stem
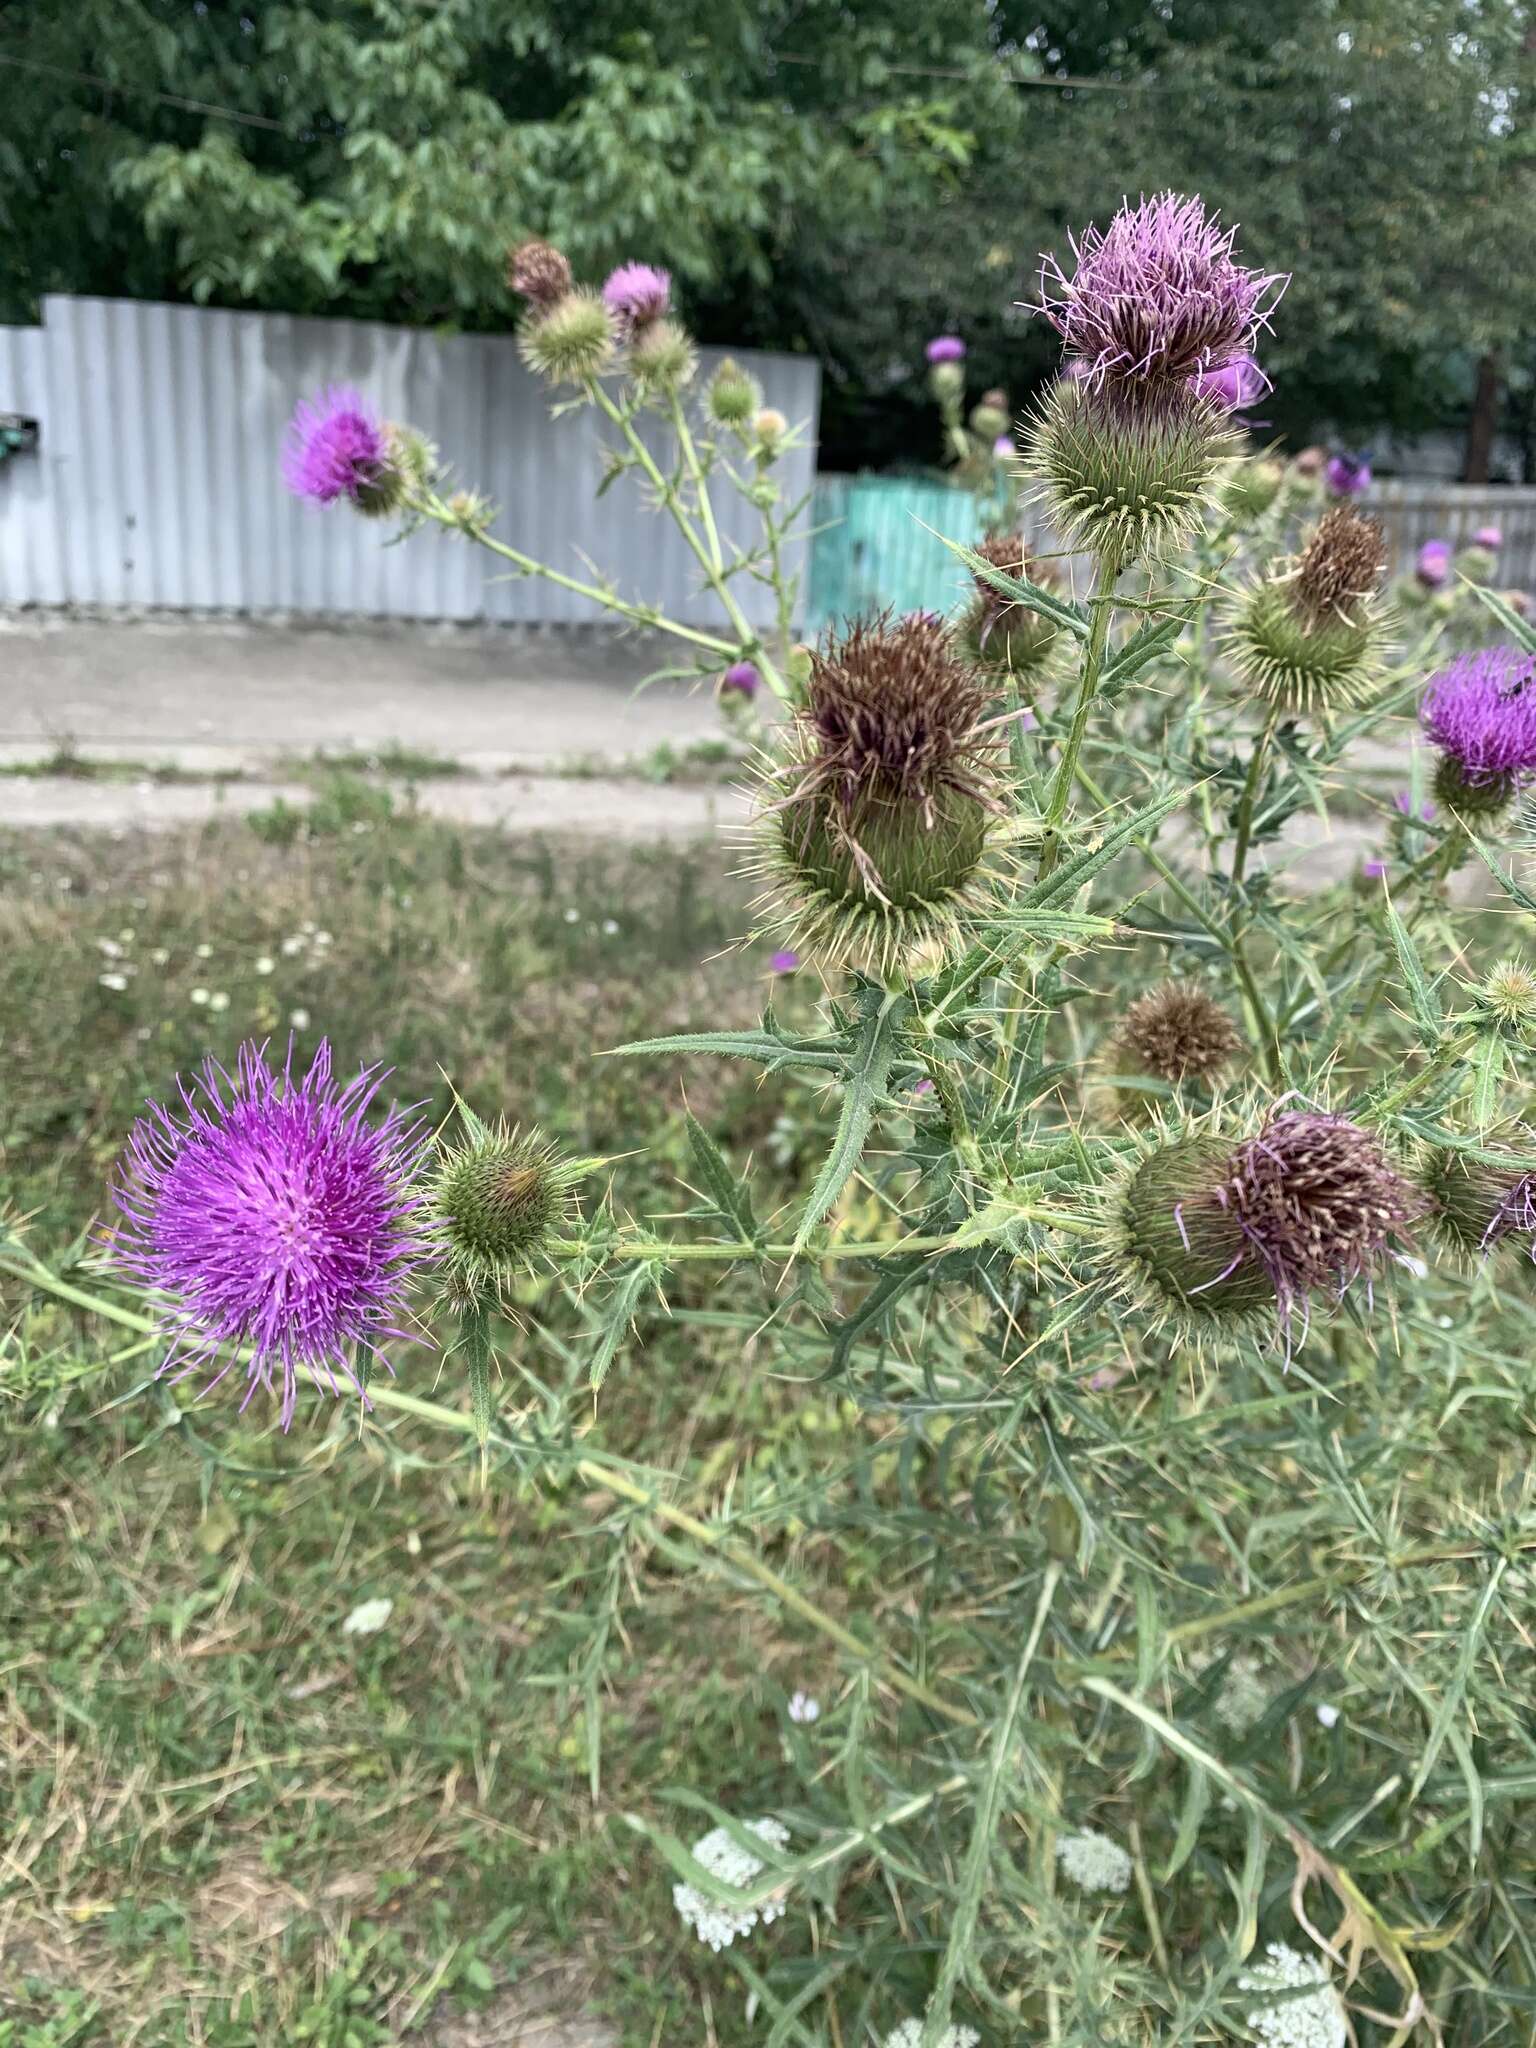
x=1087 y=690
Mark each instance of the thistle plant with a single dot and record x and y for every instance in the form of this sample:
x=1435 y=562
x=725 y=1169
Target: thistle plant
x=622 y=353
x=980 y=453
x=1176 y=1412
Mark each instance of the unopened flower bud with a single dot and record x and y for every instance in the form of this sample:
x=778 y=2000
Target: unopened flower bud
x=1000 y=633
x=733 y=395
x=1505 y=1001
x=569 y=341
x=946 y=380
x=1482 y=1201
x=538 y=272
x=662 y=356
x=500 y=1198
x=989 y=420
x=770 y=426
x=1251 y=486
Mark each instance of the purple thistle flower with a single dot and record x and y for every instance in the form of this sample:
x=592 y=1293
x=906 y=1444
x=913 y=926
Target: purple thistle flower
x=1490 y=537
x=274 y=1216
x=1375 y=870
x=1156 y=298
x=784 y=961
x=1235 y=385
x=636 y=294
x=945 y=348
x=1433 y=567
x=337 y=447
x=1318 y=1204
x=1003 y=447
x=1347 y=476
x=1481 y=711
x=1515 y=1215
x=742 y=676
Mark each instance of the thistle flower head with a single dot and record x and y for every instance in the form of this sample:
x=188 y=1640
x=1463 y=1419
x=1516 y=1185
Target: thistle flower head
x=1252 y=485
x=569 y=339
x=538 y=272
x=733 y=395
x=1433 y=564
x=1217 y=1233
x=989 y=416
x=770 y=427
x=662 y=356
x=1347 y=476
x=1176 y=1033
x=1482 y=1200
x=874 y=825
x=1505 y=1000
x=271 y=1212
x=741 y=678
x=1123 y=481
x=636 y=294
x=338 y=447
x=945 y=348
x=1297 y=2006
x=1156 y=298
x=499 y=1197
x=1310 y=636
x=1480 y=711
x=999 y=633
x=1489 y=537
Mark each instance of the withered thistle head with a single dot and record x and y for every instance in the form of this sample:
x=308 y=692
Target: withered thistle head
x=539 y=272
x=1311 y=636
x=1215 y=1233
x=1483 y=1200
x=996 y=631
x=1177 y=1032
x=875 y=821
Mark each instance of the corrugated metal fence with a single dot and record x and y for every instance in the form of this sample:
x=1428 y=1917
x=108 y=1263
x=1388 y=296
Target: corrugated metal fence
x=877 y=539
x=156 y=480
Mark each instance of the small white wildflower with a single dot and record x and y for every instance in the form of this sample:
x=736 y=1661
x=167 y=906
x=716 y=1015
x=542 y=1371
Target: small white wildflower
x=610 y=927
x=219 y=1000
x=199 y=996
x=573 y=917
x=1094 y=1861
x=127 y=934
x=202 y=952
x=291 y=946
x=299 y=1019
x=265 y=963
x=160 y=955
x=322 y=938
x=368 y=1618
x=910 y=2034
x=723 y=1857
x=117 y=981
x=110 y=947
x=1329 y=1716
x=1315 y=2020
x=803 y=1708
x=1243 y=1695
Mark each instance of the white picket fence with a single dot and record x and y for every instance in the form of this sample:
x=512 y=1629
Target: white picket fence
x=156 y=483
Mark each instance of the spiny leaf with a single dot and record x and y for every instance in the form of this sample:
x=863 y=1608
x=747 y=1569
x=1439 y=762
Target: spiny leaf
x=618 y=1316
x=1019 y=588
x=1421 y=997
x=862 y=1090
x=731 y=1197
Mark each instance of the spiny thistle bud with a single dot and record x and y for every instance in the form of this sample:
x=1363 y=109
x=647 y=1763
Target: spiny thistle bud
x=990 y=417
x=662 y=356
x=1482 y=1202
x=500 y=1198
x=1505 y=1001
x=1251 y=486
x=770 y=427
x=1476 y=563
x=997 y=631
x=1127 y=482
x=569 y=341
x=539 y=273
x=471 y=511
x=1311 y=636
x=1177 y=1033
x=1480 y=710
x=734 y=395
x=874 y=826
x=1214 y=1232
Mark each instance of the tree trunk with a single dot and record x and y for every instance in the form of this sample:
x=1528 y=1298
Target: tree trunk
x=1485 y=419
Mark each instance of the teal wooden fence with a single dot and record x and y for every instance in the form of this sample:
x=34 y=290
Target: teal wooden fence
x=877 y=545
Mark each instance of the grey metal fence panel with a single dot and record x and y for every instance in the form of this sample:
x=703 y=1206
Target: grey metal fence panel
x=157 y=482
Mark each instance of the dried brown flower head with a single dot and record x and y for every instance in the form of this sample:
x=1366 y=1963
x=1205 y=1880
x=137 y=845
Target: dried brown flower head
x=539 y=272
x=1341 y=565
x=1177 y=1032
x=1008 y=552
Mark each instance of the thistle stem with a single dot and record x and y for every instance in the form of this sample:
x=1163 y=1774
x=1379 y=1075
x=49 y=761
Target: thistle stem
x=1087 y=689
x=1249 y=800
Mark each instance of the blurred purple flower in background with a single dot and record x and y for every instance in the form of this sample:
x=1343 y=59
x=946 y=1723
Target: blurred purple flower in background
x=1156 y=298
x=636 y=294
x=275 y=1216
x=1433 y=567
x=1404 y=802
x=1490 y=537
x=784 y=962
x=945 y=348
x=741 y=676
x=1374 y=870
x=1003 y=446
x=337 y=447
x=1347 y=476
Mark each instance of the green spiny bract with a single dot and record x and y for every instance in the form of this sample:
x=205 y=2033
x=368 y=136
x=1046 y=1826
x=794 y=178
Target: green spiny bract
x=733 y=394
x=1175 y=1251
x=1480 y=799
x=1251 y=485
x=662 y=356
x=1127 y=483
x=1311 y=637
x=1483 y=1199
x=499 y=1197
x=569 y=341
x=875 y=821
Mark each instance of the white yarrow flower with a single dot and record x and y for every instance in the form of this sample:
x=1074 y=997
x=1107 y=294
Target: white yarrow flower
x=117 y=981
x=368 y=1617
x=910 y=2034
x=1313 y=2019
x=720 y=1924
x=1094 y=1861
x=803 y=1708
